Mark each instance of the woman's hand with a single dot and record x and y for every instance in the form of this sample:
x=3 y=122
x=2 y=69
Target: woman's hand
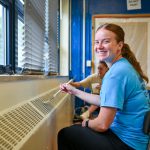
x=98 y=87
x=67 y=88
x=84 y=122
x=87 y=97
x=85 y=115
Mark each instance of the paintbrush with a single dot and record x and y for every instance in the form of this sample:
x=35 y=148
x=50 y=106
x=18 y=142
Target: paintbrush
x=57 y=92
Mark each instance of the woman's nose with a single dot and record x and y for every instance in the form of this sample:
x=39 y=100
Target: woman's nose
x=100 y=45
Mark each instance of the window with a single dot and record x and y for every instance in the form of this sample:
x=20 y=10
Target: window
x=19 y=25
x=7 y=36
x=20 y=41
x=38 y=37
x=2 y=35
x=26 y=29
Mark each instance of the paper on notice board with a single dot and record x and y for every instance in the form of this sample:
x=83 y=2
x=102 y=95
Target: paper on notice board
x=133 y=4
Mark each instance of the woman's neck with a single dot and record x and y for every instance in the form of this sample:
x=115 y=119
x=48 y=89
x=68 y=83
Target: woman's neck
x=114 y=60
x=117 y=58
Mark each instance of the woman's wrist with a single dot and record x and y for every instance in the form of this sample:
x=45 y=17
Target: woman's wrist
x=87 y=123
x=75 y=91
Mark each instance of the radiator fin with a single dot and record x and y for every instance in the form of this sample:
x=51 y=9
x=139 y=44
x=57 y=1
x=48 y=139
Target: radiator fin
x=18 y=122
x=45 y=109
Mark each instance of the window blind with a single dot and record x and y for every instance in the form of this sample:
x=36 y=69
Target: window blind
x=40 y=31
x=54 y=36
x=33 y=34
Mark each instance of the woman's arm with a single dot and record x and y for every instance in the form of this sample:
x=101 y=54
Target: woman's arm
x=103 y=121
x=87 y=97
x=75 y=84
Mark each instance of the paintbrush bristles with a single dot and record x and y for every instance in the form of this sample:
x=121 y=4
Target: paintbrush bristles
x=57 y=92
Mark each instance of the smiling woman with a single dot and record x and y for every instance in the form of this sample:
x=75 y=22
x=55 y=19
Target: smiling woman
x=123 y=87
x=134 y=26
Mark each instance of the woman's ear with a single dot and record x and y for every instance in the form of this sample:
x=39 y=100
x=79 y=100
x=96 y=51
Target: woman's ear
x=120 y=45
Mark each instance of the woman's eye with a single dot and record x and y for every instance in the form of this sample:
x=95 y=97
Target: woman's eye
x=106 y=41
x=96 y=42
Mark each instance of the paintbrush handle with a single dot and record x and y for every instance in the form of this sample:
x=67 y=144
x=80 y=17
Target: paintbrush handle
x=60 y=90
x=57 y=92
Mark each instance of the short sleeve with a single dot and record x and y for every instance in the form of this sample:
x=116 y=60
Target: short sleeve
x=86 y=83
x=112 y=93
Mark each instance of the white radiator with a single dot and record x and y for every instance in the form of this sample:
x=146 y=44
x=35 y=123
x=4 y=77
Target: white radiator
x=34 y=125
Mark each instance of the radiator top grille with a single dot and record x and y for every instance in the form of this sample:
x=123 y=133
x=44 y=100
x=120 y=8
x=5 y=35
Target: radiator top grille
x=17 y=123
x=45 y=109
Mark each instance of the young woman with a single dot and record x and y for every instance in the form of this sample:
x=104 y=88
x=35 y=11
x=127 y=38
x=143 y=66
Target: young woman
x=123 y=100
x=92 y=82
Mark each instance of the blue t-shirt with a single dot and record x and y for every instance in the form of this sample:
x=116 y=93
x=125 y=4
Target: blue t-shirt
x=122 y=88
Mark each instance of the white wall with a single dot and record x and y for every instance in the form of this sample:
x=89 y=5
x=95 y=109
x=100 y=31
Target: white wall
x=64 y=38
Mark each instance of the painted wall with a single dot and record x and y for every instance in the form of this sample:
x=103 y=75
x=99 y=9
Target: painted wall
x=16 y=92
x=93 y=7
x=76 y=38
x=64 y=36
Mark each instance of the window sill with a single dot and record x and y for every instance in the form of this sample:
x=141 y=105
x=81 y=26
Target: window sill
x=8 y=78
x=11 y=78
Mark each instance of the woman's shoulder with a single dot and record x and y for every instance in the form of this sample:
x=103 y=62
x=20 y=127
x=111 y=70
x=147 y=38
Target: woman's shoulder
x=122 y=65
x=93 y=75
x=121 y=68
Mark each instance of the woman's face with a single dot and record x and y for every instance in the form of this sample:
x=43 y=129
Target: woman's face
x=106 y=46
x=102 y=69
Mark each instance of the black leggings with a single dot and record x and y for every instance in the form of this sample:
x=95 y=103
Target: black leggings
x=77 y=137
